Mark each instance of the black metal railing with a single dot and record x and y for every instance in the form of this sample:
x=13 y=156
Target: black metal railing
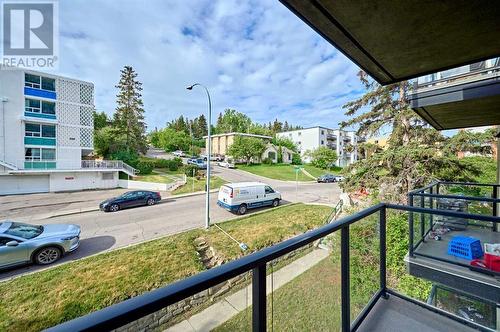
x=464 y=204
x=140 y=306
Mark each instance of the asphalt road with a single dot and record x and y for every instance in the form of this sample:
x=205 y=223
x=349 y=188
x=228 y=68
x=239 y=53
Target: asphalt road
x=103 y=231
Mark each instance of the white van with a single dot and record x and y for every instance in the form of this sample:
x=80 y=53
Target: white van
x=241 y=196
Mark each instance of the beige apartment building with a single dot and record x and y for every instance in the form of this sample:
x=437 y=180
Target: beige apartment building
x=222 y=142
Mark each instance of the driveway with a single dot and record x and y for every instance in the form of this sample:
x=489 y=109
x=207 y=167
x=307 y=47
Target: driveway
x=104 y=231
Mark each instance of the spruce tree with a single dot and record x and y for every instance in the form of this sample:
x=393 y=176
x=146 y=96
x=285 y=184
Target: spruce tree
x=129 y=115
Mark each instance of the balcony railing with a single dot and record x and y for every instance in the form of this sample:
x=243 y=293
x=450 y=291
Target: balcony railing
x=140 y=306
x=62 y=164
x=474 y=72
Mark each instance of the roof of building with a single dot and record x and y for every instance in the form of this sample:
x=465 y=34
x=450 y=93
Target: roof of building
x=314 y=127
x=239 y=134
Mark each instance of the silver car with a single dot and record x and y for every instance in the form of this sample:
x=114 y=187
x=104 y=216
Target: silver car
x=42 y=244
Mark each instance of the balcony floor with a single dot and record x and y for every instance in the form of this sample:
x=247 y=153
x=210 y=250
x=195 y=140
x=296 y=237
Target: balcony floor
x=396 y=314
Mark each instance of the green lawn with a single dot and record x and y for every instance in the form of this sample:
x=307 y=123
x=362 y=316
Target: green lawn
x=199 y=185
x=310 y=302
x=284 y=172
x=155 y=177
x=80 y=287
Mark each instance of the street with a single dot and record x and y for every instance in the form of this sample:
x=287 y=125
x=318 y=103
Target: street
x=103 y=231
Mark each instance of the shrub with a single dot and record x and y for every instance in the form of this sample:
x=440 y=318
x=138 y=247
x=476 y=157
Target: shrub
x=296 y=160
x=128 y=157
x=189 y=170
x=144 y=167
x=267 y=161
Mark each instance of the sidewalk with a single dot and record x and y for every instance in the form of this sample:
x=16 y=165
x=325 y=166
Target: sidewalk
x=231 y=305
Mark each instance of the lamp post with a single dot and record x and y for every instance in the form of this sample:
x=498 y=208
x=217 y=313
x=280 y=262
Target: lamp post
x=209 y=153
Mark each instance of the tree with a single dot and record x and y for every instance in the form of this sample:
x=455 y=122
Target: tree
x=179 y=124
x=108 y=141
x=170 y=140
x=233 y=121
x=201 y=126
x=286 y=142
x=323 y=157
x=129 y=115
x=246 y=148
x=100 y=120
x=473 y=142
x=414 y=154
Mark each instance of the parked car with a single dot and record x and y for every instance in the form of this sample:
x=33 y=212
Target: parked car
x=191 y=161
x=179 y=153
x=228 y=163
x=216 y=157
x=41 y=244
x=130 y=199
x=325 y=178
x=239 y=197
x=200 y=163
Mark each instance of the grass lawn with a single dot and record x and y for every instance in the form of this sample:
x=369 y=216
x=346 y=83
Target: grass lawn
x=77 y=288
x=310 y=302
x=283 y=172
x=155 y=177
x=199 y=185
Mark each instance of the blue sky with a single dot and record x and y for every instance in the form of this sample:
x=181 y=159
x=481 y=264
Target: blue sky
x=255 y=56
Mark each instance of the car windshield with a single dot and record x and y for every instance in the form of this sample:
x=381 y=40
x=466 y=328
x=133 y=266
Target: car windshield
x=25 y=231
x=199 y=160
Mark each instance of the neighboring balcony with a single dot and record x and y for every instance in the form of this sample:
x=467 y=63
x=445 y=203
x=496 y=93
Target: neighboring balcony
x=376 y=308
x=74 y=165
x=455 y=245
x=452 y=98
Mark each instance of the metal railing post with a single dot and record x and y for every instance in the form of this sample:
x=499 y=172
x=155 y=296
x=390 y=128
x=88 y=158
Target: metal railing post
x=259 y=319
x=410 y=227
x=383 y=248
x=422 y=218
x=345 y=280
x=431 y=201
x=495 y=207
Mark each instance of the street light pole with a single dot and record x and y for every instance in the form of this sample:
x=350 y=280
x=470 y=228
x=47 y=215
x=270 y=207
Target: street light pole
x=209 y=153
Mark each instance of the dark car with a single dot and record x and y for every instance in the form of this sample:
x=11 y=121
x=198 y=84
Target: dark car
x=325 y=178
x=130 y=199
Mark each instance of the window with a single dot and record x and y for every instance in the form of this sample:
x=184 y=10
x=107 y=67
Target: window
x=32 y=105
x=4 y=241
x=48 y=107
x=38 y=82
x=48 y=131
x=322 y=132
x=48 y=154
x=269 y=190
x=36 y=130
x=300 y=134
x=32 y=130
x=38 y=154
x=24 y=230
x=32 y=81
x=322 y=142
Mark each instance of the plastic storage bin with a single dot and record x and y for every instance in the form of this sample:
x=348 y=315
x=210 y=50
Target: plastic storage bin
x=465 y=247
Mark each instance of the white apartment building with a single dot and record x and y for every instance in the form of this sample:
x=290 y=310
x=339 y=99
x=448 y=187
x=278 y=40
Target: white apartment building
x=344 y=142
x=46 y=128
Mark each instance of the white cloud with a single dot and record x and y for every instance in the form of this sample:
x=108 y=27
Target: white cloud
x=255 y=56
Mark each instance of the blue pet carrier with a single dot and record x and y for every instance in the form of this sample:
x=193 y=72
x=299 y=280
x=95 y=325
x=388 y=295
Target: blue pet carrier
x=465 y=247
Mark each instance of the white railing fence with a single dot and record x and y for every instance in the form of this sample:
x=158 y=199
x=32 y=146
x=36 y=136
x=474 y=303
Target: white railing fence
x=76 y=164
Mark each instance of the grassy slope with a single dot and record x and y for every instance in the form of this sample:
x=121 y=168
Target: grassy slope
x=83 y=286
x=282 y=171
x=199 y=185
x=157 y=178
x=310 y=302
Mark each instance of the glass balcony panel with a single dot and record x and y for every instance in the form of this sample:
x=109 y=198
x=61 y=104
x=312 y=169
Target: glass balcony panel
x=364 y=245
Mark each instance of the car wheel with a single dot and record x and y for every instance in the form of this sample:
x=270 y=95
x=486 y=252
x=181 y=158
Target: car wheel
x=47 y=255
x=242 y=209
x=150 y=202
x=276 y=202
x=114 y=208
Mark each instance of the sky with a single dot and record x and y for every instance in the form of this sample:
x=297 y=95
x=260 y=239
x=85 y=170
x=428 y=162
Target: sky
x=254 y=56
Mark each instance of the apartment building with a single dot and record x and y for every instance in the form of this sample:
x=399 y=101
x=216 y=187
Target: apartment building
x=46 y=131
x=342 y=141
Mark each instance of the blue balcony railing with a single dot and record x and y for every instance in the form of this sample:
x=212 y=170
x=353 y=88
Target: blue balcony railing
x=138 y=307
